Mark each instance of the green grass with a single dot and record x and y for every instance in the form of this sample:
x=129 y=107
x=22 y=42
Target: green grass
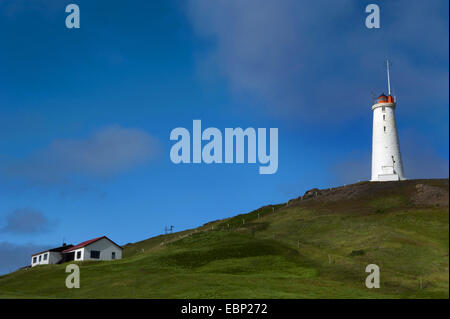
x=309 y=250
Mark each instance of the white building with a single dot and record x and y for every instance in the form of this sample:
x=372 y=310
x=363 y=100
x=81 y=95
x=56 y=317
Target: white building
x=101 y=248
x=386 y=158
x=50 y=256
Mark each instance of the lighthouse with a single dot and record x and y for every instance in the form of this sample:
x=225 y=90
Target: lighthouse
x=386 y=158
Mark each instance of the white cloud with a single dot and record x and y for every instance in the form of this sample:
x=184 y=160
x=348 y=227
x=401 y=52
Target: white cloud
x=25 y=221
x=316 y=60
x=106 y=153
x=16 y=256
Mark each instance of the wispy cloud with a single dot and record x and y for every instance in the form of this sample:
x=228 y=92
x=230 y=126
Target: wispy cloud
x=353 y=168
x=106 y=153
x=317 y=61
x=25 y=221
x=14 y=8
x=420 y=160
x=15 y=256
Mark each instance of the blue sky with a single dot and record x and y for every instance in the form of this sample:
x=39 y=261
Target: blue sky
x=85 y=114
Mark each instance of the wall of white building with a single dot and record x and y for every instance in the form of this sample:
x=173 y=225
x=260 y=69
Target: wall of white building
x=41 y=259
x=46 y=258
x=55 y=257
x=79 y=254
x=104 y=246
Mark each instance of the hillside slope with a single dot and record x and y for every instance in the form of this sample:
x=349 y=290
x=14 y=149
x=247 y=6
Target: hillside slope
x=314 y=246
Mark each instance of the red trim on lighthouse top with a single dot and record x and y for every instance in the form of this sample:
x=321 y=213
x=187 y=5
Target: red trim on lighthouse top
x=385 y=99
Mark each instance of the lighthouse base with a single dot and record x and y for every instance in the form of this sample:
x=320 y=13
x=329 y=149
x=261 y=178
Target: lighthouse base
x=386 y=178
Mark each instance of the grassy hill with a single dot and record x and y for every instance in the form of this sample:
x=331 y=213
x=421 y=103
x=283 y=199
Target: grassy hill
x=315 y=246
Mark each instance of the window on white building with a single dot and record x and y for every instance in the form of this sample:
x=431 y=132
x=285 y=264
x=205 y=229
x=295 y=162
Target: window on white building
x=384 y=129
x=384 y=117
x=95 y=254
x=34 y=260
x=45 y=256
x=79 y=254
x=113 y=255
x=40 y=258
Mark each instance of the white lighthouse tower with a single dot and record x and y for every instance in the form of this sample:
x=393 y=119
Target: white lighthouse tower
x=386 y=158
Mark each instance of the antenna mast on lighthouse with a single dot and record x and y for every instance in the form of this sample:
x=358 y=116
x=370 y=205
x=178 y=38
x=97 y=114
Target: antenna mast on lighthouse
x=388 y=77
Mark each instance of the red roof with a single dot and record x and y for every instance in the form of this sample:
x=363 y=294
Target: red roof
x=88 y=242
